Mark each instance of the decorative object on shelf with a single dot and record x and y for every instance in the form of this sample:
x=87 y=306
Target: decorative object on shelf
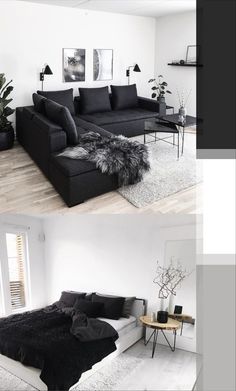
x=102 y=64
x=192 y=57
x=45 y=71
x=73 y=65
x=168 y=279
x=135 y=69
x=178 y=309
x=183 y=99
x=6 y=129
x=159 y=91
x=192 y=54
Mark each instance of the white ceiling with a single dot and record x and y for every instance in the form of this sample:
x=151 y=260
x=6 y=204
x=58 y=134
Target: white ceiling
x=153 y=8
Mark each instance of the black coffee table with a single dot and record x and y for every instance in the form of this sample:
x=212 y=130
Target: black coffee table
x=169 y=124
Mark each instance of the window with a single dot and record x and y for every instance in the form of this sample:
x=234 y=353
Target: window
x=14 y=271
x=16 y=255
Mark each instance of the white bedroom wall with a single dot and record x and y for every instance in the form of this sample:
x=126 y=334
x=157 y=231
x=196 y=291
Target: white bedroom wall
x=173 y=34
x=109 y=254
x=36 y=33
x=33 y=227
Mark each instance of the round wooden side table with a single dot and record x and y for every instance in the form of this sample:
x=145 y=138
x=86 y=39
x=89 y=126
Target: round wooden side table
x=172 y=324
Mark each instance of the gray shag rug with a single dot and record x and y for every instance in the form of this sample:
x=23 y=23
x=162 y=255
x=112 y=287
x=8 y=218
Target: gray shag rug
x=106 y=379
x=167 y=175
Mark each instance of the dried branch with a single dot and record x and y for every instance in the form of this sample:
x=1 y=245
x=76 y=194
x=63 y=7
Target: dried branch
x=169 y=278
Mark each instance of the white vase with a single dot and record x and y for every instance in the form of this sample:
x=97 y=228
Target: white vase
x=171 y=304
x=182 y=114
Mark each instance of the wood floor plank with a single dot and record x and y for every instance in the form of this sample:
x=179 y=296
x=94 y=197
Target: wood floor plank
x=24 y=189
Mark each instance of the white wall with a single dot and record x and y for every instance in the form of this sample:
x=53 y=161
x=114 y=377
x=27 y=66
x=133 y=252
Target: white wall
x=109 y=254
x=33 y=228
x=34 y=34
x=173 y=34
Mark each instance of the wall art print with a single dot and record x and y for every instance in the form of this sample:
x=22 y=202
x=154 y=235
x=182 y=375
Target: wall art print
x=102 y=64
x=73 y=65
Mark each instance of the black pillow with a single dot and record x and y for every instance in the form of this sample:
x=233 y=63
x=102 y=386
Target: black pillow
x=124 y=97
x=94 y=100
x=68 y=298
x=63 y=97
x=127 y=307
x=113 y=306
x=61 y=116
x=39 y=102
x=91 y=309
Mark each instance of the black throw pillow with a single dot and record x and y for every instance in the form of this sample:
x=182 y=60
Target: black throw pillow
x=39 y=103
x=62 y=116
x=89 y=308
x=94 y=100
x=124 y=97
x=68 y=298
x=113 y=306
x=63 y=97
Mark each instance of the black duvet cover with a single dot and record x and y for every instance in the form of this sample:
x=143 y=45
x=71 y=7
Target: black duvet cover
x=55 y=343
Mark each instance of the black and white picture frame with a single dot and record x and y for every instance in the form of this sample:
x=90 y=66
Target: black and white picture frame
x=73 y=65
x=102 y=64
x=192 y=54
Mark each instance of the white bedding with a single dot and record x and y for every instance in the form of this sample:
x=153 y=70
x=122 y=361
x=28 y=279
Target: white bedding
x=122 y=325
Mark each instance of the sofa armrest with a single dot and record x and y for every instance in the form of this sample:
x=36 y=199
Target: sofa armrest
x=148 y=104
x=39 y=136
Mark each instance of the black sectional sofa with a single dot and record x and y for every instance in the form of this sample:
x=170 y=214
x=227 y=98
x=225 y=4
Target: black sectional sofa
x=122 y=113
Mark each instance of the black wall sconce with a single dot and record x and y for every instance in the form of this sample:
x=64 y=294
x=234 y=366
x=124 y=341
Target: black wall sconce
x=45 y=71
x=135 y=69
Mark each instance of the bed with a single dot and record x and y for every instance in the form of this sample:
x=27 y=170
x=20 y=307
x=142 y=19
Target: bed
x=129 y=332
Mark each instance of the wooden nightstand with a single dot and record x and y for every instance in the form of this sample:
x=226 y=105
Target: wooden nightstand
x=172 y=324
x=183 y=318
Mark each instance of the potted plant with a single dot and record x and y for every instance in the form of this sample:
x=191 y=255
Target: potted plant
x=168 y=278
x=159 y=89
x=6 y=129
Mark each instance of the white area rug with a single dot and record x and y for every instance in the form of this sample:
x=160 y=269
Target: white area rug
x=106 y=379
x=167 y=175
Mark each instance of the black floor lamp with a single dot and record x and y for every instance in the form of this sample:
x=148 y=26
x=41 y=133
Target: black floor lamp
x=45 y=71
x=135 y=69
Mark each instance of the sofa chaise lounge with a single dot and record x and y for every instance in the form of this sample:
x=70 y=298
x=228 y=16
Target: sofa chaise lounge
x=121 y=113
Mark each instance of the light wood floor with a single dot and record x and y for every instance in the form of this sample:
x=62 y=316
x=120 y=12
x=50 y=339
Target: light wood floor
x=24 y=189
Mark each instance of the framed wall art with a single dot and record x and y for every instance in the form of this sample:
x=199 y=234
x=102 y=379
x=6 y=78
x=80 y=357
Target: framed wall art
x=102 y=64
x=73 y=65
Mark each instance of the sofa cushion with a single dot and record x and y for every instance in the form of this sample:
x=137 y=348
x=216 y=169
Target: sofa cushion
x=94 y=100
x=124 y=97
x=72 y=167
x=113 y=117
x=62 y=116
x=39 y=103
x=63 y=97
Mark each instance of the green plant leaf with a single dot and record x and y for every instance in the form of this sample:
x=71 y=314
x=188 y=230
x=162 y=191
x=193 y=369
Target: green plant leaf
x=169 y=92
x=2 y=80
x=7 y=92
x=151 y=80
x=154 y=95
x=164 y=83
x=154 y=88
x=8 y=111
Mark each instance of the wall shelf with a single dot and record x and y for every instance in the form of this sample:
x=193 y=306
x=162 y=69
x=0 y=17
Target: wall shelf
x=184 y=65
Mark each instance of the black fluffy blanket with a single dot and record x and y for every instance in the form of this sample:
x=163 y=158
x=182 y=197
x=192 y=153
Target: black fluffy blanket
x=112 y=155
x=62 y=344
